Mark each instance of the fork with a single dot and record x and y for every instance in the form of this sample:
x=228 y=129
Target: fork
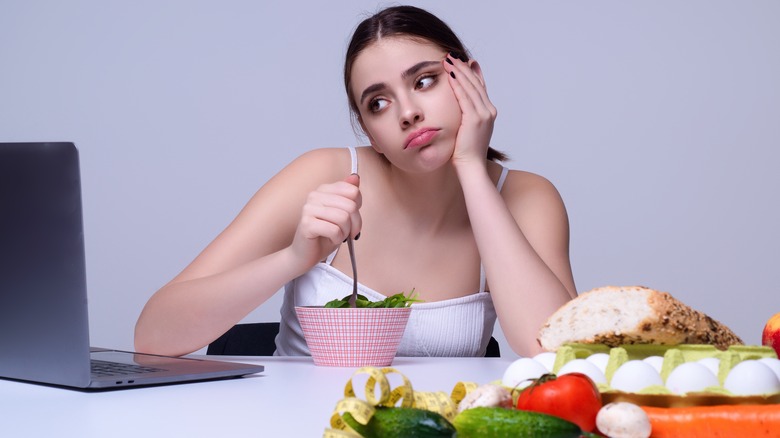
x=353 y=298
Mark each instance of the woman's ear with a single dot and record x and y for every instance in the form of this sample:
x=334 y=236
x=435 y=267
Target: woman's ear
x=477 y=69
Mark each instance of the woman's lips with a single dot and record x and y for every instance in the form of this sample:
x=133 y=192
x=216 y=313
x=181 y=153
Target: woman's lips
x=421 y=137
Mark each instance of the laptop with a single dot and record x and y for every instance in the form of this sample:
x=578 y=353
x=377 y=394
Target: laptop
x=44 y=329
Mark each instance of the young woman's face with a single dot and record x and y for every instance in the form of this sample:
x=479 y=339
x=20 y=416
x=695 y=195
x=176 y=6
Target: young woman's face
x=407 y=106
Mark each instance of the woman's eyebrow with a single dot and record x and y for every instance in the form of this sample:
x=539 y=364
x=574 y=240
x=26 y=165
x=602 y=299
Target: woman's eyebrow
x=411 y=71
x=408 y=72
x=372 y=89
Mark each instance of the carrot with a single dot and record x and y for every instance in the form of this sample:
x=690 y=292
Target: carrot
x=752 y=421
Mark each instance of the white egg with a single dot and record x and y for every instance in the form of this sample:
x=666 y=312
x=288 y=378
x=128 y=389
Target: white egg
x=713 y=363
x=584 y=367
x=600 y=360
x=521 y=372
x=690 y=377
x=547 y=359
x=656 y=361
x=635 y=375
x=751 y=377
x=772 y=363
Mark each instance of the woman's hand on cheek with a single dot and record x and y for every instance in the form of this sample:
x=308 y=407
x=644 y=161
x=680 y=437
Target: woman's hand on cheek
x=478 y=113
x=331 y=214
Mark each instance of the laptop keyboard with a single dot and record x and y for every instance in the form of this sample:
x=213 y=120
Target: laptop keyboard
x=102 y=368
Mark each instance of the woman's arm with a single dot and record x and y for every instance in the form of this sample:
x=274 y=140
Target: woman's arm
x=290 y=224
x=523 y=241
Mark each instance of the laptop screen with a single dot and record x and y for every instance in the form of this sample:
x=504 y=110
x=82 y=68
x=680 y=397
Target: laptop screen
x=44 y=330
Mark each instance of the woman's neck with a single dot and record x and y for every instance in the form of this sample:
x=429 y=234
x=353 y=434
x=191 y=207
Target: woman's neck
x=432 y=201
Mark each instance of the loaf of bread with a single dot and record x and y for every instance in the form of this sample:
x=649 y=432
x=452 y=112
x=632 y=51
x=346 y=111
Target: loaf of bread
x=631 y=315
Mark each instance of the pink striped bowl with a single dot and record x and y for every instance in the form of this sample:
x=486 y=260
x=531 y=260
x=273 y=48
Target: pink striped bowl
x=349 y=337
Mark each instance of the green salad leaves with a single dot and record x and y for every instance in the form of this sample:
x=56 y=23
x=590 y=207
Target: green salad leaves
x=397 y=300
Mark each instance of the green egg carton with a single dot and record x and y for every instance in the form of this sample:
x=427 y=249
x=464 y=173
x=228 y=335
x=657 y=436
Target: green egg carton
x=673 y=356
x=569 y=352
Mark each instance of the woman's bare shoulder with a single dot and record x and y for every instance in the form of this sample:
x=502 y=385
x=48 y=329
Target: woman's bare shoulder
x=521 y=185
x=529 y=195
x=329 y=163
x=322 y=162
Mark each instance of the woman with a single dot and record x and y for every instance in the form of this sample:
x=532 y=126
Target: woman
x=433 y=211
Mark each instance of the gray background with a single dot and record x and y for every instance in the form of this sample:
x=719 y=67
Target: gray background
x=659 y=122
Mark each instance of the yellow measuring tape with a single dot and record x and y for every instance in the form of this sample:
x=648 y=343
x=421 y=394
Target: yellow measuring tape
x=379 y=393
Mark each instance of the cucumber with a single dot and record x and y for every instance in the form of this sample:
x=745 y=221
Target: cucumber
x=512 y=423
x=403 y=423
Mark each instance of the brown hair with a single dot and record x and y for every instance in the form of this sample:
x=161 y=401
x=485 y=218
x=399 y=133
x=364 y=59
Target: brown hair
x=407 y=21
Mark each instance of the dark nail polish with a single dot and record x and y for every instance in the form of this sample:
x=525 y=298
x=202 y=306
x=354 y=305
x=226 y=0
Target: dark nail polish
x=357 y=236
x=452 y=74
x=448 y=61
x=462 y=57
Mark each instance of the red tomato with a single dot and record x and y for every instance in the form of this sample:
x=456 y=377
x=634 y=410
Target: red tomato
x=573 y=397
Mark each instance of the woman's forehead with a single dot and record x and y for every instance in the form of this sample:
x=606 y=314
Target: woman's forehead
x=388 y=57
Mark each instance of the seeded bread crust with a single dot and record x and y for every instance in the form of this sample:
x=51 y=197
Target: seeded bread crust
x=613 y=316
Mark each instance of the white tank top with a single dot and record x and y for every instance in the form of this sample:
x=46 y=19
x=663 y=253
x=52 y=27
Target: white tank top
x=449 y=328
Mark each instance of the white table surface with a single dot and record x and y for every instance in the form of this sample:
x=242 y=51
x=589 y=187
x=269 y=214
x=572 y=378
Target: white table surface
x=291 y=398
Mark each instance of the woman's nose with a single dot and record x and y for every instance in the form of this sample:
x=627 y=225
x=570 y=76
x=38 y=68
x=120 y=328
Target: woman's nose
x=411 y=113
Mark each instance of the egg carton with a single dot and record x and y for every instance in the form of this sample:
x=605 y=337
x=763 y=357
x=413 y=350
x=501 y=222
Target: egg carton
x=672 y=357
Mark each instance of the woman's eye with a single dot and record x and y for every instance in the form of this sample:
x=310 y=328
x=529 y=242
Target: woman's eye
x=376 y=105
x=425 y=82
